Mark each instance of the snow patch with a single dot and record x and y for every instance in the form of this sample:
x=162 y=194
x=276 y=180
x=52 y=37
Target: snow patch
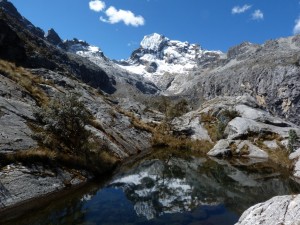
x=153 y=41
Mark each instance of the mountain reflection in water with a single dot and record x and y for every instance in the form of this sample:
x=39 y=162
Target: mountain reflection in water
x=158 y=187
x=175 y=190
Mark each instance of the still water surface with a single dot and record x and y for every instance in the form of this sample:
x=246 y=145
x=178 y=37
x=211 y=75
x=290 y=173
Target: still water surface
x=171 y=190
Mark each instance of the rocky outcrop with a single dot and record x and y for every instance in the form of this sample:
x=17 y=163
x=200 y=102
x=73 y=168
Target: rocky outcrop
x=15 y=112
x=28 y=49
x=189 y=125
x=268 y=73
x=240 y=127
x=278 y=210
x=242 y=148
x=11 y=47
x=10 y=9
x=126 y=84
x=113 y=127
x=295 y=157
x=221 y=149
x=53 y=37
x=19 y=183
x=244 y=129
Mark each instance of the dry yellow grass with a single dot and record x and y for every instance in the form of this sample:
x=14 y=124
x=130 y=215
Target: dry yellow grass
x=281 y=157
x=96 y=162
x=162 y=137
x=25 y=79
x=210 y=124
x=136 y=122
x=41 y=155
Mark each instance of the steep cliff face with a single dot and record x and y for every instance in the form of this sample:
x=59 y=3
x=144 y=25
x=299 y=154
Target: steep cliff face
x=25 y=44
x=11 y=10
x=34 y=69
x=25 y=159
x=270 y=73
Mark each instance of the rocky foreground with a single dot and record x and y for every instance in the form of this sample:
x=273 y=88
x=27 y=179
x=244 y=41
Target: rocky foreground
x=278 y=210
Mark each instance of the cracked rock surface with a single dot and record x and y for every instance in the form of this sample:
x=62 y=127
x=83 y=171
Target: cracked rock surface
x=19 y=183
x=278 y=210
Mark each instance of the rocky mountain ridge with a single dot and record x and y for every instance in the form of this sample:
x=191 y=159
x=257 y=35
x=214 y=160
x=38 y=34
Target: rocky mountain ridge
x=160 y=59
x=203 y=75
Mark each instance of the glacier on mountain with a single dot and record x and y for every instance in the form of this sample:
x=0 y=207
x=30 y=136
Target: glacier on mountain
x=160 y=59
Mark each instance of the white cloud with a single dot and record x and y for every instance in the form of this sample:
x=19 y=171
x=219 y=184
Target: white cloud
x=296 y=29
x=257 y=15
x=97 y=5
x=240 y=9
x=117 y=16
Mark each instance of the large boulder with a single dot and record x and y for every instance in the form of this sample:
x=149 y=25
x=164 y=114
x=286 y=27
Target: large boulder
x=278 y=210
x=243 y=148
x=241 y=127
x=250 y=150
x=190 y=125
x=221 y=149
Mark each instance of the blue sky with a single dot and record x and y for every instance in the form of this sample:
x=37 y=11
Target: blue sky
x=118 y=26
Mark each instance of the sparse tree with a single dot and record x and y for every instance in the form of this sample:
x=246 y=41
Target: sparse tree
x=65 y=117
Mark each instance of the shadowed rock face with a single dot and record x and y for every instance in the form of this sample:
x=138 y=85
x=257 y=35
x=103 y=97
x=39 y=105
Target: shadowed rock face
x=53 y=37
x=11 y=47
x=11 y=10
x=29 y=49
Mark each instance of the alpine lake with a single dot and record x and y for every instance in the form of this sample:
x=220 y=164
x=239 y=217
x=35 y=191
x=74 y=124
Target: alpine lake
x=159 y=188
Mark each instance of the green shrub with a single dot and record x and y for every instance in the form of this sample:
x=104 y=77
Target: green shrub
x=223 y=119
x=65 y=118
x=292 y=140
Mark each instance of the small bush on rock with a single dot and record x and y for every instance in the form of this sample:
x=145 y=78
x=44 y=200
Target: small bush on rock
x=293 y=138
x=223 y=119
x=65 y=118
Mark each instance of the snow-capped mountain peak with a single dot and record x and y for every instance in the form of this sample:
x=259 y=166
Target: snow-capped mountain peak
x=160 y=59
x=81 y=47
x=84 y=49
x=164 y=62
x=153 y=41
